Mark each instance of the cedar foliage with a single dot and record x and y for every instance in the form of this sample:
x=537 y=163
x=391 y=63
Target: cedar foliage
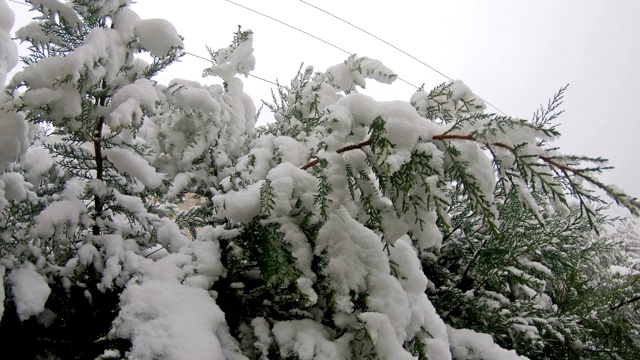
x=346 y=228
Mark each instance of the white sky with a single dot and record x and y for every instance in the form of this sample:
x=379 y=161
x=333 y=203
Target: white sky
x=515 y=54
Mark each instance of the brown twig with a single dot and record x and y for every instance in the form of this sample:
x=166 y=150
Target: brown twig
x=625 y=302
x=339 y=151
x=550 y=161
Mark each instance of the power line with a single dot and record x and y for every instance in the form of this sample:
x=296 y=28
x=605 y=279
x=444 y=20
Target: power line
x=19 y=3
x=393 y=46
x=291 y=26
x=308 y=34
x=251 y=75
x=326 y=42
x=370 y=34
x=197 y=56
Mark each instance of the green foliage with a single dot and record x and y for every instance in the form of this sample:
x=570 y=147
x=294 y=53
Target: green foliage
x=74 y=130
x=334 y=231
x=537 y=288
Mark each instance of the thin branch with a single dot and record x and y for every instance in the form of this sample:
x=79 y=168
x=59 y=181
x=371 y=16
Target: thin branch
x=625 y=302
x=97 y=148
x=577 y=172
x=360 y=145
x=632 y=203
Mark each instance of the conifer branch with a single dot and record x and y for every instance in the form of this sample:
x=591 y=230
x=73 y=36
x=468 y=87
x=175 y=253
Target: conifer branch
x=359 y=145
x=630 y=203
x=625 y=302
x=622 y=199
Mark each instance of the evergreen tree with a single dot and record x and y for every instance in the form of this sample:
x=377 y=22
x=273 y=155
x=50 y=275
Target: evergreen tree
x=347 y=228
x=83 y=193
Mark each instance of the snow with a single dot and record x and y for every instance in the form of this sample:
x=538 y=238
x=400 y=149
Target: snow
x=622 y=270
x=380 y=329
x=302 y=254
x=36 y=161
x=159 y=318
x=87 y=254
x=447 y=101
x=170 y=236
x=354 y=72
x=64 y=103
x=422 y=313
x=194 y=97
x=158 y=36
x=103 y=53
x=125 y=21
x=180 y=182
x=57 y=217
x=7 y=17
x=263 y=335
x=479 y=166
x=289 y=182
x=206 y=252
x=403 y=129
x=402 y=124
x=308 y=340
x=107 y=7
x=128 y=102
x=306 y=287
x=132 y=204
x=536 y=266
x=14 y=187
x=353 y=251
x=470 y=345
x=239 y=206
x=113 y=246
x=292 y=150
x=231 y=61
x=8 y=49
x=30 y=290
x=126 y=161
x=58 y=11
x=461 y=92
x=13 y=128
x=398 y=308
x=393 y=227
x=33 y=32
x=199 y=139
x=200 y=124
x=167 y=310
x=374 y=69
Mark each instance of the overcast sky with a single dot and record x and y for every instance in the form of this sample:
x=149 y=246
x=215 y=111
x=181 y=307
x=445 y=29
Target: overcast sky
x=515 y=54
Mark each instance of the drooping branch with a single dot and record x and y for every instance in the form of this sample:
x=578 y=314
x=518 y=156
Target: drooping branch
x=359 y=145
x=632 y=203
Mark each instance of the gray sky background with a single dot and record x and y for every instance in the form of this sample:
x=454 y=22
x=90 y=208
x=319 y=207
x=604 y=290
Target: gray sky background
x=515 y=54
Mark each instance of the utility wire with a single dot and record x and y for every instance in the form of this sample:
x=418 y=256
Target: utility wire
x=251 y=75
x=374 y=36
x=186 y=53
x=393 y=46
x=308 y=34
x=18 y=2
x=291 y=26
x=324 y=41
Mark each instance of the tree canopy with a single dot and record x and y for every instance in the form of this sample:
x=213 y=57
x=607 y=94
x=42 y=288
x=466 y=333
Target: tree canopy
x=348 y=228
